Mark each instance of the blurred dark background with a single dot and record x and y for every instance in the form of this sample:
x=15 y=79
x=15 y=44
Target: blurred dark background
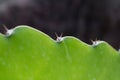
x=84 y=19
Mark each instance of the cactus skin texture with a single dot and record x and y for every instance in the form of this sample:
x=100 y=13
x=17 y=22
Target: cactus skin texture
x=28 y=54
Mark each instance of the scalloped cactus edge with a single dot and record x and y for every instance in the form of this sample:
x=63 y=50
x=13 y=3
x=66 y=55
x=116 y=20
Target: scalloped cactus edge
x=29 y=54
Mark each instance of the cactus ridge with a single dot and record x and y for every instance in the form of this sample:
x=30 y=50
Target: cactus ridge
x=29 y=54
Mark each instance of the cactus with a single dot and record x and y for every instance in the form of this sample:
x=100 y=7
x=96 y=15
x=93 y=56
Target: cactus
x=28 y=54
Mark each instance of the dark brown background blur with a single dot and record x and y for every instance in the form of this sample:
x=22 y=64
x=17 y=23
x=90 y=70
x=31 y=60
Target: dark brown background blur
x=84 y=19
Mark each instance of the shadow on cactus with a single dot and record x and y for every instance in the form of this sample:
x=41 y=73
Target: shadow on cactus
x=28 y=54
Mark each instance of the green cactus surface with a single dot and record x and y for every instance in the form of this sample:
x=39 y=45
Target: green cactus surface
x=29 y=54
